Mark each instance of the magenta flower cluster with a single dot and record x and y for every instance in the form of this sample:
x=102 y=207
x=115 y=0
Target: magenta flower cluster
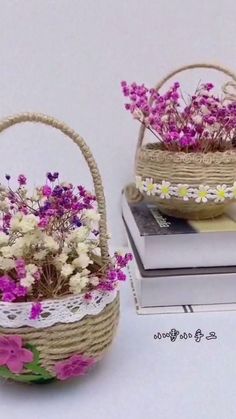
x=115 y=272
x=60 y=200
x=202 y=122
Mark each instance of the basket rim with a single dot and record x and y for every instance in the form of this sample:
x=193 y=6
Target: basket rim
x=69 y=309
x=152 y=151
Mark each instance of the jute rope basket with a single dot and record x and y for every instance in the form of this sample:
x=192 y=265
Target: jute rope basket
x=91 y=336
x=192 y=169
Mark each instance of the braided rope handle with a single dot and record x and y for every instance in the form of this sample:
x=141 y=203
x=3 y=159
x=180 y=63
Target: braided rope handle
x=173 y=73
x=87 y=154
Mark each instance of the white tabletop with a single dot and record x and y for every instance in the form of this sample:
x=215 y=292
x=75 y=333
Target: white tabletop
x=143 y=378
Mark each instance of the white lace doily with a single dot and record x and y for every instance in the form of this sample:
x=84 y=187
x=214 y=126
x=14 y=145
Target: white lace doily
x=65 y=310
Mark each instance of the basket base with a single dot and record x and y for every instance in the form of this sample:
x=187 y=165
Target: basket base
x=199 y=214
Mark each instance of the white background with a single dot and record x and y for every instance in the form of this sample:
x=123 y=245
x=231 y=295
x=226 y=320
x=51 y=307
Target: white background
x=67 y=58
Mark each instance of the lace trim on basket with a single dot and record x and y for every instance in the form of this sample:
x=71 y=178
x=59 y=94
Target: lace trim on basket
x=150 y=152
x=67 y=310
x=201 y=193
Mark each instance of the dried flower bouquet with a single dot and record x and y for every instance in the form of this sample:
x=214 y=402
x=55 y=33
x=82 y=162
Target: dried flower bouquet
x=189 y=171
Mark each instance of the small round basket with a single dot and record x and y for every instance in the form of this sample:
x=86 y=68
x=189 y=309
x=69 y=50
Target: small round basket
x=71 y=334
x=189 y=172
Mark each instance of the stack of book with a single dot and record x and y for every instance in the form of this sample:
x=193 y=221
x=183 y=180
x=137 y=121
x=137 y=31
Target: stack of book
x=180 y=262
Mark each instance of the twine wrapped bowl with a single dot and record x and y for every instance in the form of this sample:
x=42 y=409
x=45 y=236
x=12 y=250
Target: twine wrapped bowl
x=70 y=335
x=212 y=169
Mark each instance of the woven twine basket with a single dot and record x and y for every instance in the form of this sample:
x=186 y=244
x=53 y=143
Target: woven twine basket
x=90 y=336
x=193 y=169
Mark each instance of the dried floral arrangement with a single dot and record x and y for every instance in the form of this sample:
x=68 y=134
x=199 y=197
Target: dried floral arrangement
x=59 y=285
x=188 y=165
x=201 y=122
x=49 y=244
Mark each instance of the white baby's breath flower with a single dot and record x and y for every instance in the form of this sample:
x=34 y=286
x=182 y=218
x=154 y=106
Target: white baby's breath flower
x=78 y=235
x=3 y=188
x=50 y=243
x=220 y=193
x=205 y=110
x=40 y=255
x=78 y=283
x=4 y=204
x=67 y=270
x=197 y=119
x=91 y=215
x=138 y=114
x=6 y=264
x=121 y=252
x=94 y=280
x=15 y=222
x=82 y=261
x=183 y=191
x=164 y=189
x=82 y=248
x=3 y=239
x=28 y=223
x=18 y=247
x=97 y=251
x=164 y=118
x=31 y=268
x=202 y=194
x=85 y=272
x=6 y=251
x=27 y=281
x=59 y=260
x=149 y=186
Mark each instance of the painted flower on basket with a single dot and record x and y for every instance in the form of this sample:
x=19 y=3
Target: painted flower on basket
x=73 y=367
x=13 y=355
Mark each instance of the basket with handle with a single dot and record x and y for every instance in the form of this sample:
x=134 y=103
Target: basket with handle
x=70 y=334
x=190 y=169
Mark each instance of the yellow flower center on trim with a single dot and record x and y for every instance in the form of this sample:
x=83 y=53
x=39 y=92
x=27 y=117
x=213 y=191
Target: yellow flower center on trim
x=165 y=189
x=221 y=193
x=183 y=192
x=150 y=187
x=202 y=194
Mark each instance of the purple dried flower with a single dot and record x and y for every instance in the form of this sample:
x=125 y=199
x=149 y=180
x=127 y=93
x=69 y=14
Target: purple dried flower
x=46 y=190
x=36 y=311
x=8 y=297
x=22 y=180
x=121 y=276
x=20 y=291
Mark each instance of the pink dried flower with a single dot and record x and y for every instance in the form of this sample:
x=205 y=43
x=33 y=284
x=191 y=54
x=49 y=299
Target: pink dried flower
x=20 y=268
x=22 y=180
x=203 y=122
x=46 y=190
x=73 y=367
x=13 y=355
x=36 y=311
x=8 y=297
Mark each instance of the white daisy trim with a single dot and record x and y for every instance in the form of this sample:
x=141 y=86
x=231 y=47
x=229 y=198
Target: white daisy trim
x=199 y=194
